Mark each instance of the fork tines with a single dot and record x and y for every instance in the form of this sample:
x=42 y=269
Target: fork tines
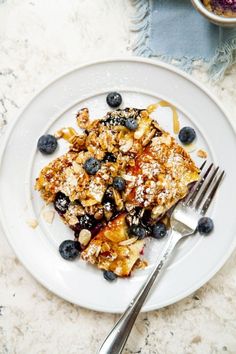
x=205 y=189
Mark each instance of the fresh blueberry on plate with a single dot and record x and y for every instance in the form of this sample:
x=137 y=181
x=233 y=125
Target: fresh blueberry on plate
x=92 y=166
x=114 y=99
x=205 y=225
x=159 y=230
x=61 y=203
x=47 y=144
x=187 y=135
x=138 y=231
x=109 y=276
x=119 y=183
x=69 y=250
x=131 y=123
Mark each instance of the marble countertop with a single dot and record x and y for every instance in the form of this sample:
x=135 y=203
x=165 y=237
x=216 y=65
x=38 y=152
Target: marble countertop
x=39 y=39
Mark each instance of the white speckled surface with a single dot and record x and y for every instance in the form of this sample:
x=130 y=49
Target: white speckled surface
x=39 y=39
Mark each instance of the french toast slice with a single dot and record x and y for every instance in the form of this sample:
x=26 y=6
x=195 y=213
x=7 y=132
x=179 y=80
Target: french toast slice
x=114 y=249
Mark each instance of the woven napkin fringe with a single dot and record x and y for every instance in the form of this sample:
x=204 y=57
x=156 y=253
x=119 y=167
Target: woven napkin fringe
x=141 y=24
x=224 y=58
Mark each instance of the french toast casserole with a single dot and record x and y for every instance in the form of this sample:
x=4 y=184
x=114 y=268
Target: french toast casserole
x=121 y=172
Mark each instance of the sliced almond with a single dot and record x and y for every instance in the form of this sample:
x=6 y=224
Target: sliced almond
x=128 y=242
x=148 y=138
x=48 y=216
x=118 y=200
x=84 y=237
x=202 y=154
x=33 y=223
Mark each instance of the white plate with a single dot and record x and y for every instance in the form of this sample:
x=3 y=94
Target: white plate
x=140 y=82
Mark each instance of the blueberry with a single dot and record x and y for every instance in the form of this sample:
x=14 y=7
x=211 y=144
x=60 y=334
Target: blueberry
x=159 y=230
x=146 y=219
x=78 y=245
x=114 y=99
x=108 y=196
x=109 y=157
x=86 y=222
x=139 y=231
x=110 y=276
x=205 y=225
x=47 y=144
x=131 y=123
x=61 y=203
x=187 y=135
x=119 y=183
x=69 y=250
x=92 y=166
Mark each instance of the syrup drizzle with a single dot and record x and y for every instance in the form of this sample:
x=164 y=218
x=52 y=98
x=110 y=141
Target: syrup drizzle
x=176 y=124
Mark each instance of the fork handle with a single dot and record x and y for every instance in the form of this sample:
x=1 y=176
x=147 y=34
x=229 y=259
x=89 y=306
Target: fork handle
x=116 y=339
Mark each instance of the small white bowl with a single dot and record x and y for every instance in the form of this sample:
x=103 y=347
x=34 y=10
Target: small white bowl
x=216 y=19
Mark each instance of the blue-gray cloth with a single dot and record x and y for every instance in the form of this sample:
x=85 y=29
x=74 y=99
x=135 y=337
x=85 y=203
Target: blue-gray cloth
x=173 y=29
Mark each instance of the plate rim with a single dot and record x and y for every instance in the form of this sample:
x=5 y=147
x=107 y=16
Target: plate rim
x=156 y=63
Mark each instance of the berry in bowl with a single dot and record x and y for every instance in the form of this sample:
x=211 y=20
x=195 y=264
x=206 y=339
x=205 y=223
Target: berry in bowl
x=220 y=12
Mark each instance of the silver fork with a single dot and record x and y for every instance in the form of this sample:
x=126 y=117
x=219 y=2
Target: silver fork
x=184 y=220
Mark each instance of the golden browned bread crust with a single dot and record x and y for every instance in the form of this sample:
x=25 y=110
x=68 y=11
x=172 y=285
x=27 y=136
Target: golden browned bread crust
x=112 y=249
